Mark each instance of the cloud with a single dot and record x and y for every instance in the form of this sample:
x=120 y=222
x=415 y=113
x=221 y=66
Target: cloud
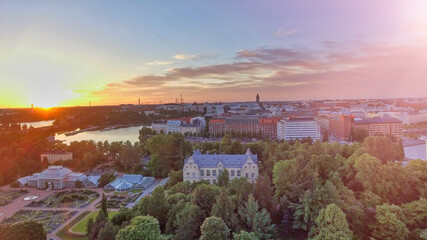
x=279 y=32
x=189 y=56
x=334 y=70
x=155 y=63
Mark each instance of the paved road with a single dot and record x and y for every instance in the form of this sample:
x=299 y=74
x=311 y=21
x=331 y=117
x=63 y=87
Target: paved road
x=148 y=191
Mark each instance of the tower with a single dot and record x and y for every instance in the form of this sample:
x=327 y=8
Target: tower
x=257 y=98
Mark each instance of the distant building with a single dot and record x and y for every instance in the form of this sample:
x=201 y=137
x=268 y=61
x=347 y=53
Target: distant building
x=55 y=156
x=387 y=126
x=244 y=124
x=207 y=166
x=159 y=126
x=298 y=128
x=257 y=98
x=341 y=126
x=190 y=128
x=55 y=177
x=190 y=125
x=173 y=126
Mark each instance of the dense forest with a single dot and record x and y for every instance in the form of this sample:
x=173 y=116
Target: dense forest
x=316 y=191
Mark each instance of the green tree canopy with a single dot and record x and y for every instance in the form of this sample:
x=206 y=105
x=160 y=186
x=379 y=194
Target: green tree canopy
x=224 y=178
x=243 y=235
x=255 y=220
x=331 y=223
x=224 y=208
x=141 y=227
x=388 y=223
x=29 y=230
x=214 y=228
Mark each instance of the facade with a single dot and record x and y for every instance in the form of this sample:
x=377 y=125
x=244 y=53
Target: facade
x=249 y=124
x=298 y=128
x=190 y=128
x=55 y=177
x=207 y=166
x=55 y=156
x=159 y=126
x=341 y=126
x=193 y=125
x=381 y=126
x=323 y=123
x=173 y=126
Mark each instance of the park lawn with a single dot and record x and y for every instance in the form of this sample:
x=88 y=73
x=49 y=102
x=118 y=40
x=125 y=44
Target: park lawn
x=80 y=227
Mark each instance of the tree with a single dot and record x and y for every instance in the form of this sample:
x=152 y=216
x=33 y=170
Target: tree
x=383 y=148
x=174 y=178
x=331 y=223
x=188 y=221
x=255 y=220
x=359 y=134
x=224 y=208
x=141 y=227
x=145 y=133
x=391 y=182
x=106 y=178
x=263 y=192
x=155 y=205
x=122 y=217
x=388 y=224
x=243 y=235
x=79 y=184
x=172 y=214
x=130 y=156
x=89 y=227
x=167 y=152
x=108 y=232
x=325 y=136
x=29 y=230
x=204 y=196
x=214 y=228
x=223 y=178
x=292 y=178
x=242 y=189
x=104 y=205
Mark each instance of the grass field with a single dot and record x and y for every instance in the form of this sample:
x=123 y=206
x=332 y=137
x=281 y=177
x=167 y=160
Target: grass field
x=63 y=233
x=80 y=227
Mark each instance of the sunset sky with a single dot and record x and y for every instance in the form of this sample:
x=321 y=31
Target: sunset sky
x=66 y=53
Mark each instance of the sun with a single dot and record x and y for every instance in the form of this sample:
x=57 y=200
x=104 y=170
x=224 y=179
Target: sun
x=45 y=98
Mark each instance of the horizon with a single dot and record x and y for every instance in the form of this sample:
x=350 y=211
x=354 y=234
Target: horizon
x=59 y=54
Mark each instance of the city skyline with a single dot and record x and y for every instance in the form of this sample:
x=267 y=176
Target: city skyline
x=67 y=54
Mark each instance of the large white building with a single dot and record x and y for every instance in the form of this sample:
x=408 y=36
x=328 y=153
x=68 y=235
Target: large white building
x=55 y=177
x=298 y=128
x=208 y=166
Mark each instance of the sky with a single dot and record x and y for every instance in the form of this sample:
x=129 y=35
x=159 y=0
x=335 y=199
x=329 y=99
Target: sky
x=68 y=53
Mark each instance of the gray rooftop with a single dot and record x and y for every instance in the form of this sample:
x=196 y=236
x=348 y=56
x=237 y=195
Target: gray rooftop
x=228 y=161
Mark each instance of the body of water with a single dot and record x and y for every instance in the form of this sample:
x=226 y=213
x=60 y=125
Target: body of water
x=38 y=124
x=121 y=134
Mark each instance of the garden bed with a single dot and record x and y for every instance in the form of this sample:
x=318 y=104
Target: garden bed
x=8 y=196
x=51 y=220
x=71 y=199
